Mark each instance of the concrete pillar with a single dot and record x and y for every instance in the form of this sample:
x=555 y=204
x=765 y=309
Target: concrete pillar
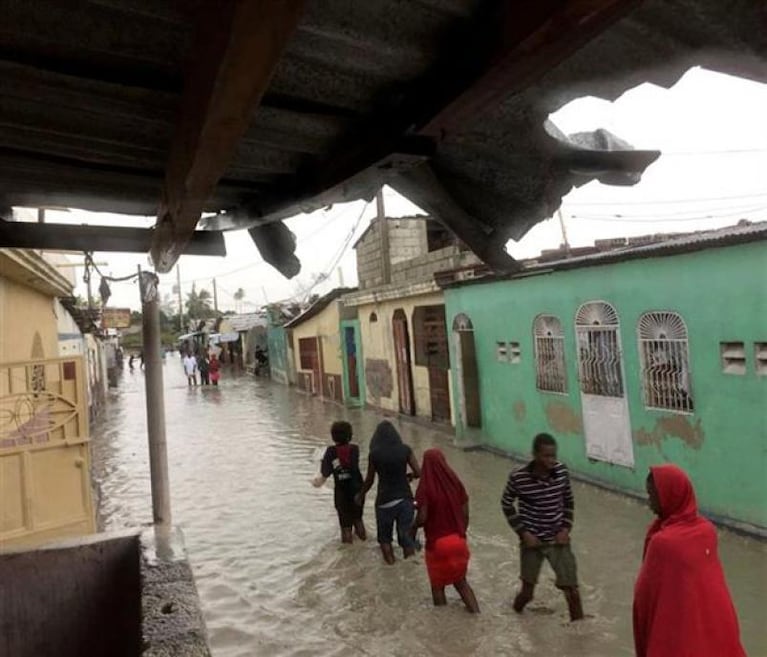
x=155 y=398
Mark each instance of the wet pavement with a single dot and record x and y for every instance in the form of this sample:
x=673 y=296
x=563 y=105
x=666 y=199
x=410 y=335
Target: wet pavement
x=274 y=580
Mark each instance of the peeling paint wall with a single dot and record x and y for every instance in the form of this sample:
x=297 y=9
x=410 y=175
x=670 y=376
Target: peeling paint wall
x=719 y=293
x=378 y=345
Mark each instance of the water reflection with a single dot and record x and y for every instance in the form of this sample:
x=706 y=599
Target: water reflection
x=274 y=580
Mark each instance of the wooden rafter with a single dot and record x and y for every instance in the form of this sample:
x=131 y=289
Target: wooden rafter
x=60 y=237
x=238 y=46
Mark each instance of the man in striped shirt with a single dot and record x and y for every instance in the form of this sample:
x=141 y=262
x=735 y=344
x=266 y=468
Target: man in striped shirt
x=538 y=503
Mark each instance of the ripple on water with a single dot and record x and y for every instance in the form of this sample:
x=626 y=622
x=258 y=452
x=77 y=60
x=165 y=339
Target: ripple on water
x=274 y=581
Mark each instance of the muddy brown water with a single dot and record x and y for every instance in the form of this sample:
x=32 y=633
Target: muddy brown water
x=274 y=580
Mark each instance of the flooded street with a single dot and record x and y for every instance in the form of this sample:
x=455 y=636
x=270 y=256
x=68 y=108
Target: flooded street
x=275 y=581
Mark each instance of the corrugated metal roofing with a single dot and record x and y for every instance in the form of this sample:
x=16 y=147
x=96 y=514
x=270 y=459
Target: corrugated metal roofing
x=89 y=92
x=742 y=233
x=318 y=306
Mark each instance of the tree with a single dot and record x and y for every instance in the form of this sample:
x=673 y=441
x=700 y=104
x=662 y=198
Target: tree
x=198 y=304
x=239 y=295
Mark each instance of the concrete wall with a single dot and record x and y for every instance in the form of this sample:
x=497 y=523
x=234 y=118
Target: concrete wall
x=116 y=595
x=370 y=257
x=324 y=326
x=278 y=354
x=379 y=357
x=423 y=267
x=28 y=323
x=82 y=601
x=720 y=295
x=407 y=239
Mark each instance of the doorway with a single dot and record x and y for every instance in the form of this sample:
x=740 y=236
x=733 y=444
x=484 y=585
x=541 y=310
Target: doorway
x=606 y=422
x=467 y=372
x=352 y=363
x=403 y=362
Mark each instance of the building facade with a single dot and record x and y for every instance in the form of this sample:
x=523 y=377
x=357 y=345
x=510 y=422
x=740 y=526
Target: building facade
x=648 y=355
x=316 y=341
x=45 y=486
x=403 y=338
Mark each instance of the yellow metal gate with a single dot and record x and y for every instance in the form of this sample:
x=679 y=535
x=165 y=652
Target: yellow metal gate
x=45 y=486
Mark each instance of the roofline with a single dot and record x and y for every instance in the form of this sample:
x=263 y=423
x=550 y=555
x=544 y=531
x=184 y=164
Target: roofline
x=658 y=250
x=374 y=220
x=318 y=306
x=44 y=277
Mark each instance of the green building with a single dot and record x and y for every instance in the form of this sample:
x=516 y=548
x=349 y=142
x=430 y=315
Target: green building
x=640 y=355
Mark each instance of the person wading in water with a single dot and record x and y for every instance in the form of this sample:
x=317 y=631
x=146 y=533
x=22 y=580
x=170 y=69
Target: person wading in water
x=443 y=512
x=682 y=606
x=389 y=459
x=342 y=460
x=543 y=521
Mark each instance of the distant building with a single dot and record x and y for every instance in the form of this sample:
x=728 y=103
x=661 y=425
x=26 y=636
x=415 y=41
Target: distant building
x=642 y=354
x=317 y=349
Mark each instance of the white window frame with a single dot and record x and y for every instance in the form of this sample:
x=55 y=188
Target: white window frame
x=666 y=383
x=549 y=340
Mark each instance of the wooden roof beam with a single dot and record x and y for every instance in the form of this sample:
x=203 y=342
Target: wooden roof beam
x=128 y=239
x=236 y=50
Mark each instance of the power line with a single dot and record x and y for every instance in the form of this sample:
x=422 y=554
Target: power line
x=336 y=258
x=670 y=201
x=252 y=265
x=622 y=219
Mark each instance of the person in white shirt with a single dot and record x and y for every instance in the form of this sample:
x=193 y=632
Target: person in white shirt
x=190 y=369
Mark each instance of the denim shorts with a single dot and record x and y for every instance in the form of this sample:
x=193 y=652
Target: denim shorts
x=404 y=515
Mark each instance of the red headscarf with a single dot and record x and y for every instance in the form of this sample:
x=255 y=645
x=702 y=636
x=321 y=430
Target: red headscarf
x=442 y=493
x=682 y=606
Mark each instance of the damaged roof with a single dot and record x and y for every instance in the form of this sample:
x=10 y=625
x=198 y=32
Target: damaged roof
x=176 y=109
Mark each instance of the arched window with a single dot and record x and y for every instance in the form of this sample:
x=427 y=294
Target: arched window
x=373 y=318
x=665 y=361
x=551 y=375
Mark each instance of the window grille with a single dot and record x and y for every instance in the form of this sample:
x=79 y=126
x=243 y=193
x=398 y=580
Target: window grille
x=599 y=353
x=665 y=362
x=515 y=353
x=549 y=354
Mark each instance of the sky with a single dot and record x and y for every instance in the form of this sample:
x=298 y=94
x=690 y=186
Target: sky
x=712 y=172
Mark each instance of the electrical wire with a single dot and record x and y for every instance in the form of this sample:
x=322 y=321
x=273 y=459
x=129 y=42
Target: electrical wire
x=253 y=265
x=671 y=201
x=90 y=263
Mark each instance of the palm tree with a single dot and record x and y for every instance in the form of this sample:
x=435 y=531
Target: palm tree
x=198 y=304
x=239 y=295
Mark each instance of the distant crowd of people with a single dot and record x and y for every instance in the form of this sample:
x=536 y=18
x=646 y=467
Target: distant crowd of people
x=682 y=605
x=207 y=365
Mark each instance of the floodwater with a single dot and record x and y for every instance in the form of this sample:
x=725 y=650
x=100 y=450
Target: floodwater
x=274 y=579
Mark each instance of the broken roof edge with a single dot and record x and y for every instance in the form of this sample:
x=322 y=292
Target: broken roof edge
x=700 y=241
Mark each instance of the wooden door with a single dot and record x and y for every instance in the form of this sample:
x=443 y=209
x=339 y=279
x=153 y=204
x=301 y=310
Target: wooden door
x=439 y=392
x=350 y=344
x=467 y=372
x=403 y=363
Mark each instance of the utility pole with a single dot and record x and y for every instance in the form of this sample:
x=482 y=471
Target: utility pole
x=383 y=226
x=564 y=232
x=215 y=296
x=155 y=398
x=180 y=300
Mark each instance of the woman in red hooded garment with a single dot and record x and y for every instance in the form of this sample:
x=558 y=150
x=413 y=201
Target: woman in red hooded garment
x=443 y=512
x=682 y=606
